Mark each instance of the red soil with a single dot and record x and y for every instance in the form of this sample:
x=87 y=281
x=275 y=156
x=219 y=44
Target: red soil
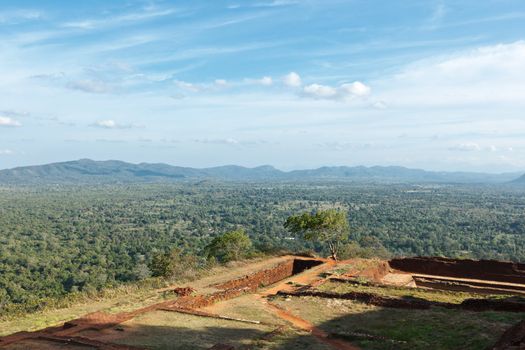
x=488 y=270
x=308 y=278
x=183 y=291
x=483 y=270
x=187 y=301
x=75 y=341
x=374 y=273
x=270 y=276
x=472 y=286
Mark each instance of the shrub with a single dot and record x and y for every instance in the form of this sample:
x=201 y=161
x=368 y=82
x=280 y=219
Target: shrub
x=230 y=246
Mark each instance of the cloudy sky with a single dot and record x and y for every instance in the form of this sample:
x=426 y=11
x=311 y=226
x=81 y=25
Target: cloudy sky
x=437 y=85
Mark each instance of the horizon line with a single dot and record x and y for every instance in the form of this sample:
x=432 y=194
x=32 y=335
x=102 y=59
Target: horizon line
x=268 y=165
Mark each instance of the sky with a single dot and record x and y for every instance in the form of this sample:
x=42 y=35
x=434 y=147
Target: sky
x=433 y=84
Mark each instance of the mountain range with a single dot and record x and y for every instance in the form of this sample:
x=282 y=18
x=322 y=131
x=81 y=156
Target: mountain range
x=86 y=171
x=520 y=180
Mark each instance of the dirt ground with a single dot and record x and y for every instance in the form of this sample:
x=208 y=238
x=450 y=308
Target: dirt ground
x=258 y=305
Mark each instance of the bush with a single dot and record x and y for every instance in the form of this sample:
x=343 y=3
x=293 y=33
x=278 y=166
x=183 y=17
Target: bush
x=368 y=247
x=175 y=265
x=230 y=246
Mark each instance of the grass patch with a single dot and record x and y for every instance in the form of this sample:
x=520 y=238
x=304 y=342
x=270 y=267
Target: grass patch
x=402 y=292
x=126 y=297
x=437 y=328
x=290 y=340
x=123 y=298
x=248 y=307
x=175 y=331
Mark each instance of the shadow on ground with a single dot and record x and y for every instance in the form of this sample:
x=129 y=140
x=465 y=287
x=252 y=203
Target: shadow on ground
x=435 y=328
x=379 y=329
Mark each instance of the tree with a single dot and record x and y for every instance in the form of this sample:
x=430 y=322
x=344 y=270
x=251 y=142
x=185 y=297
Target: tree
x=367 y=247
x=174 y=264
x=325 y=226
x=141 y=271
x=230 y=246
x=4 y=299
x=162 y=264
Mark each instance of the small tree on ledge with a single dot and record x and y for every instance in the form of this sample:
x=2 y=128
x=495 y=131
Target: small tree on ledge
x=325 y=226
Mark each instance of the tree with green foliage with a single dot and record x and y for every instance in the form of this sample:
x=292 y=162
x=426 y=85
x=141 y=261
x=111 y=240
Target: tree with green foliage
x=325 y=226
x=367 y=247
x=175 y=264
x=233 y=245
x=59 y=240
x=162 y=264
x=4 y=298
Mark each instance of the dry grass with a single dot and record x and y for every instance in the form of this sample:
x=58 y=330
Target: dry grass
x=248 y=307
x=130 y=297
x=131 y=300
x=400 y=292
x=171 y=330
x=290 y=340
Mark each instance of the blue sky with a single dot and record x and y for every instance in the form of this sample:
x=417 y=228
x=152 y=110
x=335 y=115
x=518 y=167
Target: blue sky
x=438 y=85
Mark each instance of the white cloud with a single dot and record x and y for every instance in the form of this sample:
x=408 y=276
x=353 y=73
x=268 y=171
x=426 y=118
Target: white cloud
x=14 y=113
x=380 y=105
x=221 y=82
x=292 y=79
x=356 y=88
x=226 y=141
x=489 y=74
x=231 y=142
x=118 y=20
x=110 y=124
x=265 y=81
x=438 y=14
x=50 y=77
x=13 y=17
x=276 y=3
x=187 y=86
x=91 y=86
x=466 y=147
x=320 y=91
x=6 y=121
x=343 y=92
x=499 y=149
x=345 y=146
x=6 y=152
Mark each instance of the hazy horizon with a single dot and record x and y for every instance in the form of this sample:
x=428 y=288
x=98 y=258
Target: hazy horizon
x=263 y=165
x=437 y=85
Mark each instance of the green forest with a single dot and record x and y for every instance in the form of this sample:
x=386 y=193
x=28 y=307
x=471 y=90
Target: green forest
x=57 y=240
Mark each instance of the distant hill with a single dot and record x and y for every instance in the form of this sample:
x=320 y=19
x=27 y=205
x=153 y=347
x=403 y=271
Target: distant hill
x=89 y=171
x=520 y=180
